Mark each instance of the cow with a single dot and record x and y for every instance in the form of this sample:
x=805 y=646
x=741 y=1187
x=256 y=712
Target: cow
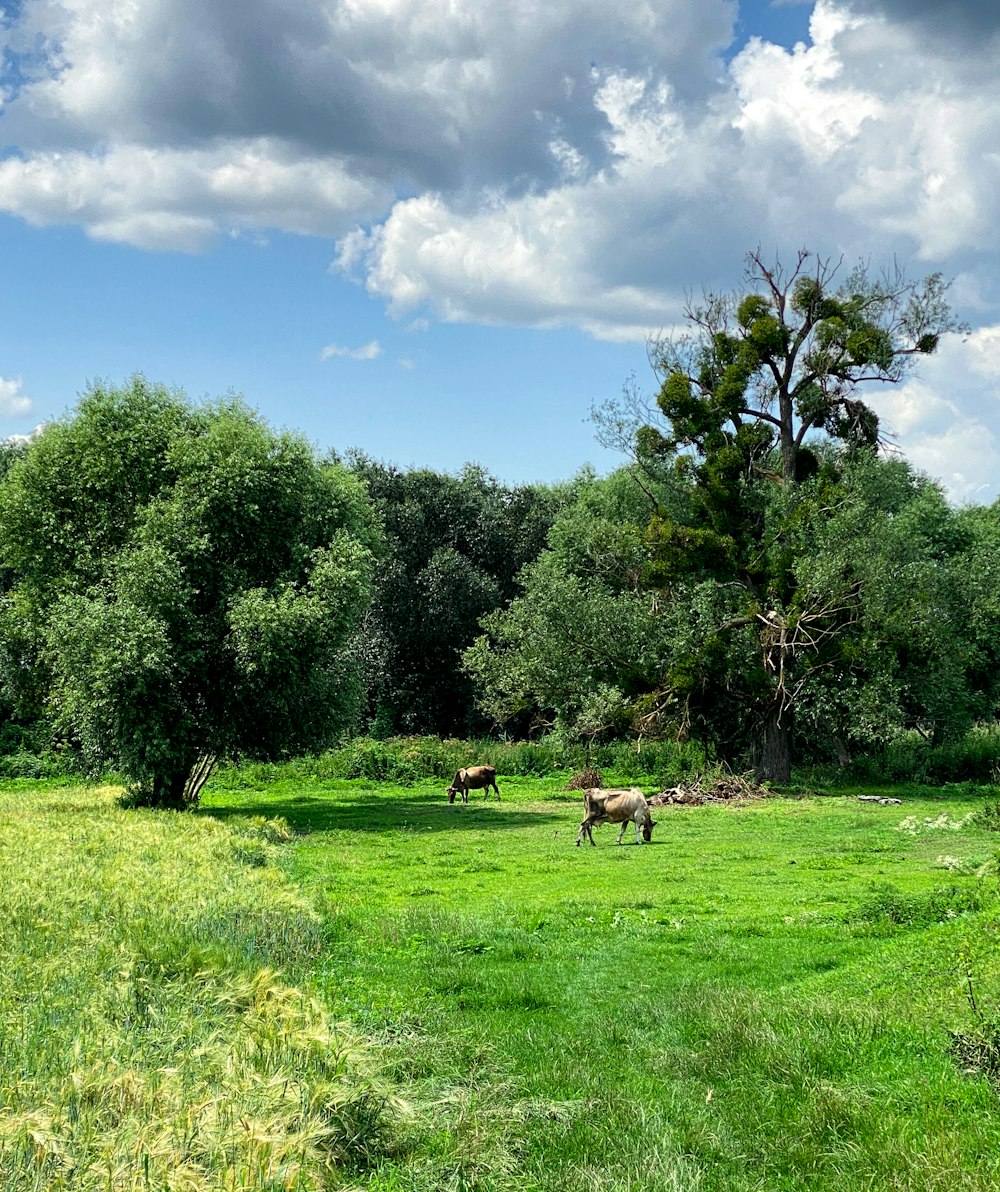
x=616 y=807
x=473 y=778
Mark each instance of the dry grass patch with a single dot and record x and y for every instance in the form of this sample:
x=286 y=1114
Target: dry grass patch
x=153 y=1032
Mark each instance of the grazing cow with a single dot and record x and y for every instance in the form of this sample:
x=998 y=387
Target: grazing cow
x=616 y=807
x=473 y=778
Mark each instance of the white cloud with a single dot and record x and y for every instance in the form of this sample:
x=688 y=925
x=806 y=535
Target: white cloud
x=13 y=403
x=965 y=458
x=566 y=164
x=863 y=140
x=802 y=97
x=437 y=94
x=180 y=199
x=945 y=419
x=368 y=351
x=609 y=150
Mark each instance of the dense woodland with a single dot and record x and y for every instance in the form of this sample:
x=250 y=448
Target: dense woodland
x=181 y=583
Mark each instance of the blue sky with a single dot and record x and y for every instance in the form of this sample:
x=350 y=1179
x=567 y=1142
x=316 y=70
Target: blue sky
x=441 y=231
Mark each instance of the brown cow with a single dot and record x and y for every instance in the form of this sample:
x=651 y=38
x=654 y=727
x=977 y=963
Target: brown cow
x=616 y=807
x=473 y=778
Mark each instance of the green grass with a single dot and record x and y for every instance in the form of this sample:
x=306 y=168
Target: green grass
x=760 y=999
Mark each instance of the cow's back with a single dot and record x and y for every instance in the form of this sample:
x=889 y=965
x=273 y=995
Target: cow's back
x=623 y=804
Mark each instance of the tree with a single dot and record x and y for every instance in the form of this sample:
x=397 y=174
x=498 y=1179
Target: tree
x=454 y=548
x=586 y=641
x=618 y=630
x=740 y=393
x=185 y=581
x=768 y=365
x=979 y=575
x=906 y=657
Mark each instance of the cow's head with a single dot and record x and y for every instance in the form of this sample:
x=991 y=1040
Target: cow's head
x=648 y=824
x=451 y=792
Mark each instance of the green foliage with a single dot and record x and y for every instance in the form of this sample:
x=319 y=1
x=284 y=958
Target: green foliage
x=740 y=393
x=185 y=581
x=976 y=1048
x=405 y=761
x=792 y=352
x=45 y=764
x=911 y=758
x=648 y=615
x=988 y=816
x=453 y=548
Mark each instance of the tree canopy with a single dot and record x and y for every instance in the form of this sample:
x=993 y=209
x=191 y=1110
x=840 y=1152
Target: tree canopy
x=892 y=624
x=788 y=355
x=454 y=546
x=183 y=582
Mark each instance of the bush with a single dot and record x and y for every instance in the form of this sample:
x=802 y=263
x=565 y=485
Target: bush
x=31 y=765
x=886 y=907
x=976 y=758
x=988 y=816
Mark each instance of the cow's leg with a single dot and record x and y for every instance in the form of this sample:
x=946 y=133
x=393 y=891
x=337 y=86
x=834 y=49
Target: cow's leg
x=638 y=836
x=465 y=794
x=622 y=832
x=497 y=789
x=585 y=827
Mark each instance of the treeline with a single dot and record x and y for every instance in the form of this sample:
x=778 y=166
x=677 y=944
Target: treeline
x=176 y=598
x=181 y=584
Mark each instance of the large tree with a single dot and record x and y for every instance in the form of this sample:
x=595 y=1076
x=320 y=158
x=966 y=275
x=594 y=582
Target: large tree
x=790 y=354
x=183 y=583
x=621 y=627
x=742 y=389
x=587 y=642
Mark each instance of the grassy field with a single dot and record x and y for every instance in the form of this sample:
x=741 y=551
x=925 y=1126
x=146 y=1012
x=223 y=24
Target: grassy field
x=760 y=999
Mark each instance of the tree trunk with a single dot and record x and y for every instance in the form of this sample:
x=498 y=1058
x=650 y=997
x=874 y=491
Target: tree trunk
x=168 y=790
x=773 y=748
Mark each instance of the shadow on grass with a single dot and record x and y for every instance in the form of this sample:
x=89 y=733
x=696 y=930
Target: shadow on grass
x=365 y=812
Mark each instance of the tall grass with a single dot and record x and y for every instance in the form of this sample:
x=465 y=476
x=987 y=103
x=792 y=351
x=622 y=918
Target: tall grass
x=406 y=760
x=152 y=1031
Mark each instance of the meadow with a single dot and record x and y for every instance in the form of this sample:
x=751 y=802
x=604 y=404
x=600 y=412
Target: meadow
x=327 y=982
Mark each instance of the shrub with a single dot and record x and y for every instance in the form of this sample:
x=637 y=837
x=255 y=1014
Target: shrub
x=975 y=758
x=48 y=764
x=405 y=760
x=886 y=907
x=988 y=817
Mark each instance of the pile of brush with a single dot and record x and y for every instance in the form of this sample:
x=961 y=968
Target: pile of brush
x=724 y=788
x=584 y=781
